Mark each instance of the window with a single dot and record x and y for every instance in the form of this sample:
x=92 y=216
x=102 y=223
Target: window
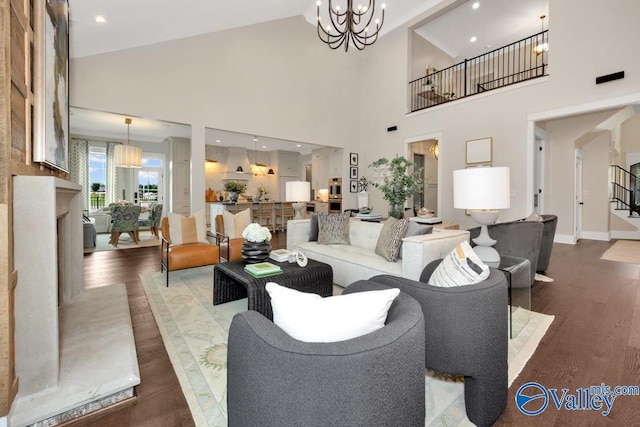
x=97 y=177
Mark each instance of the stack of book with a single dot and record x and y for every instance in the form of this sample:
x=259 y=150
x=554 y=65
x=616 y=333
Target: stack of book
x=280 y=255
x=262 y=269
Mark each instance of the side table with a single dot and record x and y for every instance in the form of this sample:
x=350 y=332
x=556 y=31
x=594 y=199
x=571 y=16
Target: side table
x=516 y=270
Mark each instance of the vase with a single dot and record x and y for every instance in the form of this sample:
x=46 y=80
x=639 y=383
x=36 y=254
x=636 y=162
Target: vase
x=396 y=210
x=233 y=196
x=253 y=252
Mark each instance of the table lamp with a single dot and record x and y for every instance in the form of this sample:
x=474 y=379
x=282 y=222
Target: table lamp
x=483 y=190
x=298 y=192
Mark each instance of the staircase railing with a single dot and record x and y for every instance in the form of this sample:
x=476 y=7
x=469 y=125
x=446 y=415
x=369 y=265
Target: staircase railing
x=523 y=60
x=621 y=191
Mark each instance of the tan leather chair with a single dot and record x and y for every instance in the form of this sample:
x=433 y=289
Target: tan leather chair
x=232 y=248
x=188 y=255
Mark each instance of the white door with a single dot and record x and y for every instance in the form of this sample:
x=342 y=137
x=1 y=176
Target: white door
x=539 y=168
x=578 y=196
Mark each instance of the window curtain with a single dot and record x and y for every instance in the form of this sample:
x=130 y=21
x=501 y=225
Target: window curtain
x=79 y=168
x=115 y=177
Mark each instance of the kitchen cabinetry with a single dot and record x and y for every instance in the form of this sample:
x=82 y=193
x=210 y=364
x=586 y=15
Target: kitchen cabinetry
x=180 y=176
x=325 y=162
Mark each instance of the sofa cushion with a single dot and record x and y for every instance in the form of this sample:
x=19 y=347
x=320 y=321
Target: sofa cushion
x=313 y=232
x=234 y=224
x=415 y=229
x=311 y=318
x=192 y=229
x=460 y=267
x=333 y=228
x=390 y=239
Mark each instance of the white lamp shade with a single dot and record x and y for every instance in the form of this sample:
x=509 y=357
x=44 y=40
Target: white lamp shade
x=298 y=191
x=481 y=188
x=127 y=156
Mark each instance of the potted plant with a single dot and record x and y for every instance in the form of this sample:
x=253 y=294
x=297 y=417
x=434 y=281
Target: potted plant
x=397 y=182
x=234 y=188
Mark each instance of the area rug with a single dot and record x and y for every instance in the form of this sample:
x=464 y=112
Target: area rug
x=195 y=335
x=102 y=242
x=623 y=251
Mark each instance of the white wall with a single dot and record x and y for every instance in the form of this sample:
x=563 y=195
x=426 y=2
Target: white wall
x=277 y=79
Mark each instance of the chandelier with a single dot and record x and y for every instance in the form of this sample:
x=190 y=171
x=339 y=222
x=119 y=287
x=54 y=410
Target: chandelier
x=350 y=25
x=127 y=156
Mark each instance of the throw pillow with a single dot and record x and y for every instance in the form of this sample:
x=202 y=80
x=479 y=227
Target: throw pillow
x=390 y=238
x=415 y=229
x=460 y=267
x=313 y=232
x=234 y=224
x=311 y=318
x=192 y=229
x=333 y=228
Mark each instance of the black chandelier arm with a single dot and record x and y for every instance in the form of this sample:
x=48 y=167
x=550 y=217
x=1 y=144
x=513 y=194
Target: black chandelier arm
x=348 y=25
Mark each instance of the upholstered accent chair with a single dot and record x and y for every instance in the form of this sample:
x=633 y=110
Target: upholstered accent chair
x=188 y=255
x=155 y=216
x=230 y=249
x=375 y=379
x=124 y=219
x=521 y=239
x=465 y=334
x=549 y=223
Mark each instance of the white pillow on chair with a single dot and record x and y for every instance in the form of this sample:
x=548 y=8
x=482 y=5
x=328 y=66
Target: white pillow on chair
x=311 y=318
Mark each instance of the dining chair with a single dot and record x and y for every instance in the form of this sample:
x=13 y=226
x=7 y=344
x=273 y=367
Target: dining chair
x=124 y=219
x=153 y=221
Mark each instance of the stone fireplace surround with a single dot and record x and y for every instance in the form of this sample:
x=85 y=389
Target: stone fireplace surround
x=74 y=349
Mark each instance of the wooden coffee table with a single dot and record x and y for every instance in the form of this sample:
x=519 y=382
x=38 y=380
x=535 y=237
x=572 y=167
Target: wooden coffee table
x=231 y=283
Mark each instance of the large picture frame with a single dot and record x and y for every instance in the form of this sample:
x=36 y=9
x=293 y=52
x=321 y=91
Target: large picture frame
x=51 y=84
x=479 y=151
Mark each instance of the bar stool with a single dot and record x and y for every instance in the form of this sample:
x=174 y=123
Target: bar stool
x=286 y=213
x=264 y=215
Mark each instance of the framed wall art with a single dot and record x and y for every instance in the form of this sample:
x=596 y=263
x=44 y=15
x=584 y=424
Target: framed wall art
x=51 y=84
x=353 y=186
x=353 y=172
x=479 y=151
x=353 y=159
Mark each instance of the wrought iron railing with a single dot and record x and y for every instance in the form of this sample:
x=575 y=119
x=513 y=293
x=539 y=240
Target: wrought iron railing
x=623 y=187
x=523 y=60
x=97 y=200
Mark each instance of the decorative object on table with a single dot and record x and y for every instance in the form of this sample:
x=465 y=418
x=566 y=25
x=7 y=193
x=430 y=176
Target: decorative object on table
x=353 y=172
x=263 y=190
x=425 y=213
x=281 y=255
x=323 y=194
x=301 y=258
x=350 y=25
x=298 y=192
x=234 y=188
x=262 y=269
x=479 y=151
x=396 y=182
x=484 y=190
x=353 y=159
x=257 y=243
x=363 y=184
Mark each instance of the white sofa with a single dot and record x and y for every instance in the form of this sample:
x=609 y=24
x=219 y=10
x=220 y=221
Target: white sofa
x=358 y=260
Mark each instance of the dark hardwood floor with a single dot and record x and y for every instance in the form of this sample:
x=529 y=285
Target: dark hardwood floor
x=594 y=339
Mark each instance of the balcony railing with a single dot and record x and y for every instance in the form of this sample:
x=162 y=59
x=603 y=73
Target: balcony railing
x=523 y=60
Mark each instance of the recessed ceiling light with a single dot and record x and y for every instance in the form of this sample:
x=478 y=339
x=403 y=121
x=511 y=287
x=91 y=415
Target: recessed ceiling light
x=298 y=145
x=218 y=141
x=264 y=146
x=473 y=39
x=475 y=5
x=100 y=19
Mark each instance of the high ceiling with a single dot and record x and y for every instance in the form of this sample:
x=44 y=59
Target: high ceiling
x=143 y=22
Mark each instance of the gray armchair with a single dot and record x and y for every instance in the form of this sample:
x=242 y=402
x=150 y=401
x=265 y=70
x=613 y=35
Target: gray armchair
x=465 y=334
x=549 y=223
x=376 y=379
x=520 y=239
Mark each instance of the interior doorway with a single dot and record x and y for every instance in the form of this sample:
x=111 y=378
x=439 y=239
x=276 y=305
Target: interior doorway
x=424 y=153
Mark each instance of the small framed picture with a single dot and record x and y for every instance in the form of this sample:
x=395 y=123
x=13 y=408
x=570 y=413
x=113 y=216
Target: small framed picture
x=353 y=172
x=353 y=159
x=479 y=151
x=353 y=186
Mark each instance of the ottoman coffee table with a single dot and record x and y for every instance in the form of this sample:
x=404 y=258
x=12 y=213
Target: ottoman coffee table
x=230 y=283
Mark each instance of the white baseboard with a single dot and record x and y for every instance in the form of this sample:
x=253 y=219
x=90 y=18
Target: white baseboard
x=568 y=239
x=627 y=235
x=604 y=236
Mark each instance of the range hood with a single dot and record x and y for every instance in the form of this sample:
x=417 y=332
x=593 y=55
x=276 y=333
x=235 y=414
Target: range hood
x=237 y=157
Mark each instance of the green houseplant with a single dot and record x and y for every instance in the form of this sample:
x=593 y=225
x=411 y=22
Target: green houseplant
x=234 y=188
x=397 y=182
